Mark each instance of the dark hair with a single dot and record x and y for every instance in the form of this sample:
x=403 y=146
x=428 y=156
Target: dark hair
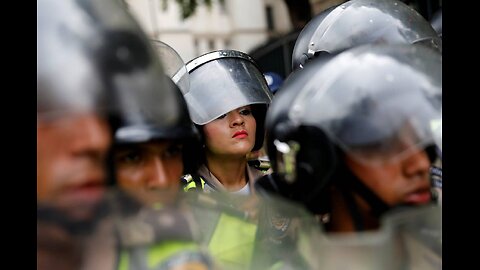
x=259 y=111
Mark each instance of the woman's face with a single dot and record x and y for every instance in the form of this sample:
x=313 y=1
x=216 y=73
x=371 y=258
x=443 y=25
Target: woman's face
x=150 y=171
x=232 y=133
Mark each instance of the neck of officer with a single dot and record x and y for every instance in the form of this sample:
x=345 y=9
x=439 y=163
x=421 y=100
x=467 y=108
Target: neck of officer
x=342 y=217
x=230 y=171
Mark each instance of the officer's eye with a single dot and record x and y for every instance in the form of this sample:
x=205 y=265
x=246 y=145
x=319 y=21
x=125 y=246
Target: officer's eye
x=246 y=112
x=130 y=157
x=173 y=151
x=222 y=116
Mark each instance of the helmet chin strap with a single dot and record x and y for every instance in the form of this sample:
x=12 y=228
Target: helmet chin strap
x=348 y=183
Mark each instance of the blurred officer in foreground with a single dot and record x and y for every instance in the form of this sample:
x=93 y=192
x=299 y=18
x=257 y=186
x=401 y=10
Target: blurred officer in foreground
x=153 y=148
x=358 y=141
x=355 y=148
x=351 y=24
x=97 y=75
x=406 y=240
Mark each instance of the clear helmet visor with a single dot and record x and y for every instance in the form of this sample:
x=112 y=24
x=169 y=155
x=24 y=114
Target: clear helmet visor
x=222 y=81
x=410 y=239
x=91 y=59
x=299 y=54
x=67 y=76
x=94 y=57
x=360 y=22
x=436 y=127
x=389 y=111
x=173 y=65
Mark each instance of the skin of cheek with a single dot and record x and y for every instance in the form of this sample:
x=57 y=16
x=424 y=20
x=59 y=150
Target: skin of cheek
x=49 y=160
x=71 y=164
x=137 y=179
x=218 y=137
x=385 y=180
x=68 y=151
x=129 y=177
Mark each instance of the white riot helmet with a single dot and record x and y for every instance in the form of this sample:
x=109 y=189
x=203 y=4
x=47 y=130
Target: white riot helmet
x=221 y=81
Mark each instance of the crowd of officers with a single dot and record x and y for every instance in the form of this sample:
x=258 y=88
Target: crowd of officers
x=147 y=162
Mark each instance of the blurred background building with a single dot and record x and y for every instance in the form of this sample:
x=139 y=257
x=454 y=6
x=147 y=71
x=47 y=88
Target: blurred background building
x=232 y=24
x=266 y=29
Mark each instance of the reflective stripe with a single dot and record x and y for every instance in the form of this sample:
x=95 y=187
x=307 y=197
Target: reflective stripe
x=160 y=253
x=190 y=183
x=124 y=261
x=232 y=242
x=140 y=258
x=189 y=186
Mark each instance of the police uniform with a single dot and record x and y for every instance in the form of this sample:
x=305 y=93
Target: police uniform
x=246 y=232
x=159 y=239
x=206 y=181
x=240 y=232
x=229 y=236
x=222 y=81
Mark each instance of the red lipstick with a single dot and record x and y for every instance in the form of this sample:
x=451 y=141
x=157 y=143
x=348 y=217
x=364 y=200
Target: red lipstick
x=240 y=134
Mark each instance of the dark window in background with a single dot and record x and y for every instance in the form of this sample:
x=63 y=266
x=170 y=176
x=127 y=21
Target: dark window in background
x=211 y=44
x=197 y=49
x=269 y=12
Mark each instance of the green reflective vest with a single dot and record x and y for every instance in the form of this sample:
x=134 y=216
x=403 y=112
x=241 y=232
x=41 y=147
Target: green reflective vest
x=158 y=256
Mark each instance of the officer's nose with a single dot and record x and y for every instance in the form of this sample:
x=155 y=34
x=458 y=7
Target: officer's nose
x=158 y=177
x=417 y=165
x=236 y=119
x=92 y=138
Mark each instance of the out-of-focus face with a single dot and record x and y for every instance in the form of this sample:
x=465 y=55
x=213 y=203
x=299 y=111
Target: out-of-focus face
x=400 y=181
x=151 y=171
x=232 y=134
x=71 y=172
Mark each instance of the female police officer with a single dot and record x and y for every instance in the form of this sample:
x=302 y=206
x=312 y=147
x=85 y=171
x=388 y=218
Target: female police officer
x=227 y=100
